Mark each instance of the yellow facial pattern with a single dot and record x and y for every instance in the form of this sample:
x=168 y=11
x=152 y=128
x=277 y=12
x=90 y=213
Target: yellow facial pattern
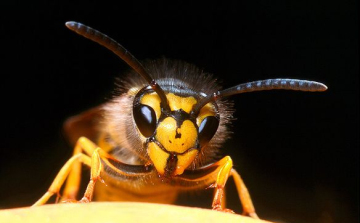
x=171 y=136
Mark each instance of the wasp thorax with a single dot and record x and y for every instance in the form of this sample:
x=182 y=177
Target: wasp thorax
x=173 y=138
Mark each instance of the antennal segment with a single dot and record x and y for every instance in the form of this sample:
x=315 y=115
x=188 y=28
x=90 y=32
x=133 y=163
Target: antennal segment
x=121 y=52
x=262 y=85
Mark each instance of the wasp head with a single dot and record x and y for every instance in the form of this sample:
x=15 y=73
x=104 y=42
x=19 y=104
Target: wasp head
x=175 y=135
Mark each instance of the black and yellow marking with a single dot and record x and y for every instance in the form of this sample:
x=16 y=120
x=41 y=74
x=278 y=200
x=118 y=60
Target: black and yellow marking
x=175 y=144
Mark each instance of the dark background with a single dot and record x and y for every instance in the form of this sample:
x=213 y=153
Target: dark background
x=297 y=152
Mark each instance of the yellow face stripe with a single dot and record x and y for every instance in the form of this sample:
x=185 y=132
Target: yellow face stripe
x=176 y=139
x=158 y=157
x=152 y=100
x=177 y=102
x=185 y=160
x=207 y=110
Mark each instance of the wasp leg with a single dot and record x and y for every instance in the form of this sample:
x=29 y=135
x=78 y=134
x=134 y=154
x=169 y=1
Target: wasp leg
x=94 y=176
x=72 y=172
x=223 y=175
x=72 y=186
x=219 y=172
x=61 y=177
x=244 y=195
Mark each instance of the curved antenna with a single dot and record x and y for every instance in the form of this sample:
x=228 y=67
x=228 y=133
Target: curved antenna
x=121 y=52
x=262 y=85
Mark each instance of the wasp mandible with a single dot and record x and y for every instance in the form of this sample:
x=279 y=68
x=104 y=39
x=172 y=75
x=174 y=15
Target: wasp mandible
x=160 y=136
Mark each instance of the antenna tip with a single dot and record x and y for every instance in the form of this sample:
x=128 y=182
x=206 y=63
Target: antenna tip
x=322 y=87
x=71 y=24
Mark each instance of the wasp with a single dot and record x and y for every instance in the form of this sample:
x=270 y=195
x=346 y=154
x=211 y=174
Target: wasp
x=158 y=137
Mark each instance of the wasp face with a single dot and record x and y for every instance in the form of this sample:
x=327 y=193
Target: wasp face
x=174 y=136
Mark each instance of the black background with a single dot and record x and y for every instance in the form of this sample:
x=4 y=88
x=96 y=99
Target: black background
x=297 y=152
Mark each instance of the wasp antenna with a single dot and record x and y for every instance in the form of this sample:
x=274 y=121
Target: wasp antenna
x=272 y=84
x=263 y=85
x=120 y=51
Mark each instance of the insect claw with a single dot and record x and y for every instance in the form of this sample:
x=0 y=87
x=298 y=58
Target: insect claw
x=102 y=181
x=225 y=210
x=213 y=185
x=69 y=201
x=84 y=200
x=253 y=215
x=73 y=201
x=58 y=196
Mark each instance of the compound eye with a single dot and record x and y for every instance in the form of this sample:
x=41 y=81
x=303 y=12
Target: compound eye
x=207 y=129
x=145 y=119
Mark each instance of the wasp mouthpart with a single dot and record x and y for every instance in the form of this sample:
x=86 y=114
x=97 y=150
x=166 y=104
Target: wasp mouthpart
x=170 y=163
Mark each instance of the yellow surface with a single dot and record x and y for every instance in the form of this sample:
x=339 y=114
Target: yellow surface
x=118 y=212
